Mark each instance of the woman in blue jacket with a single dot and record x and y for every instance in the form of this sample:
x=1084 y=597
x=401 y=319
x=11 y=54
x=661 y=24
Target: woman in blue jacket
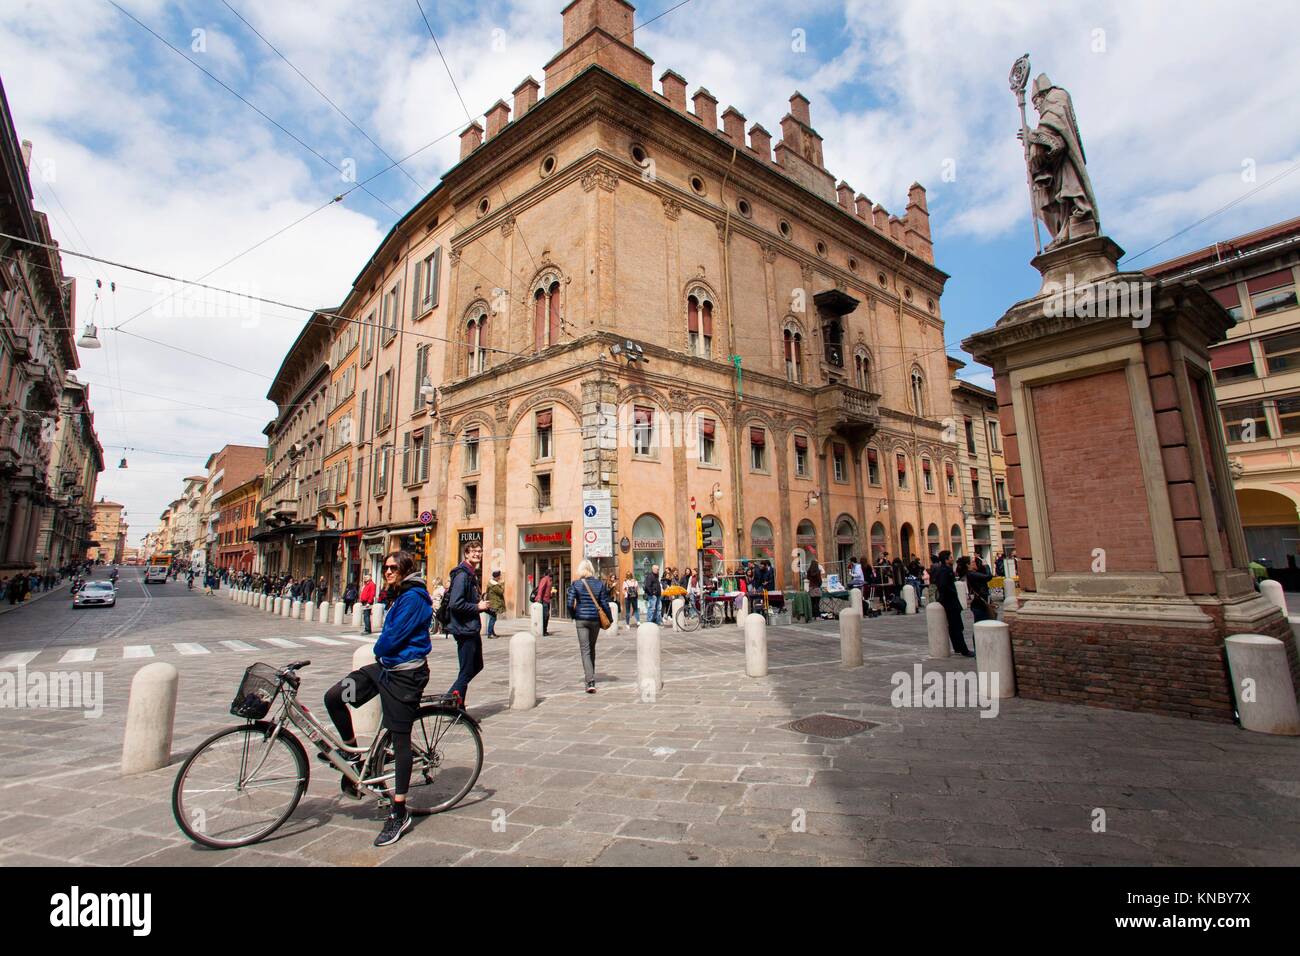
x=586 y=594
x=398 y=677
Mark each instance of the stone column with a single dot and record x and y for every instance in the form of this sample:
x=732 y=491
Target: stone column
x=1105 y=395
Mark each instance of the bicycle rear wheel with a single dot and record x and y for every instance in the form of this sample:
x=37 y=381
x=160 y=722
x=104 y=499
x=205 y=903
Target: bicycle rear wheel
x=446 y=757
x=714 y=615
x=239 y=785
x=687 y=619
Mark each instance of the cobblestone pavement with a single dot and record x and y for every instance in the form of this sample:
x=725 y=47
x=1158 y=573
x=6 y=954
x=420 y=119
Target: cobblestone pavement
x=708 y=773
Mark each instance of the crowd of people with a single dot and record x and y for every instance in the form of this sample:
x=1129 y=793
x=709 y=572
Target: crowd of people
x=17 y=587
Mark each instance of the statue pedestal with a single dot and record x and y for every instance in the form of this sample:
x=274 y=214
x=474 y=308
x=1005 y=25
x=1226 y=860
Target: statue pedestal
x=1132 y=562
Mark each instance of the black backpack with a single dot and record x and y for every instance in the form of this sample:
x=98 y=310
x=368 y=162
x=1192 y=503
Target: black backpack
x=443 y=614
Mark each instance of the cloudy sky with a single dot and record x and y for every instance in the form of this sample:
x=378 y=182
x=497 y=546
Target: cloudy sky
x=1185 y=107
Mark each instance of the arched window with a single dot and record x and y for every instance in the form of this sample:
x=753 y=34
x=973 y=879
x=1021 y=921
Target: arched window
x=862 y=369
x=546 y=312
x=955 y=540
x=793 y=354
x=906 y=542
x=699 y=322
x=846 y=543
x=877 y=541
x=932 y=539
x=805 y=550
x=762 y=541
x=476 y=341
x=918 y=392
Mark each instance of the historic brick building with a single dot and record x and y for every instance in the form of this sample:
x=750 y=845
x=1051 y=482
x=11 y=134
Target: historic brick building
x=981 y=471
x=109 y=533
x=236 y=510
x=786 y=367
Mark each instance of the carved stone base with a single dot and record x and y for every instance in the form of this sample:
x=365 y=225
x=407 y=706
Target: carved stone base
x=1132 y=656
x=1078 y=262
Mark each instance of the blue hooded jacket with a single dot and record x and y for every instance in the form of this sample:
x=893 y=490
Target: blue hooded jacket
x=405 y=636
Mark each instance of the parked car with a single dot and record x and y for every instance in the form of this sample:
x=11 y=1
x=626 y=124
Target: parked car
x=99 y=593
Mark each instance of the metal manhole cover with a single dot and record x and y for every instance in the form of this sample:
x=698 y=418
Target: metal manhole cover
x=826 y=725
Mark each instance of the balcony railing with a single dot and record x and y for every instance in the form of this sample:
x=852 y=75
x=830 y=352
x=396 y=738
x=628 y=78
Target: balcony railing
x=846 y=408
x=982 y=507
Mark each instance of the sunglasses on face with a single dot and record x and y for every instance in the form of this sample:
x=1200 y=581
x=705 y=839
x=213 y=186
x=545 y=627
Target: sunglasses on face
x=390 y=567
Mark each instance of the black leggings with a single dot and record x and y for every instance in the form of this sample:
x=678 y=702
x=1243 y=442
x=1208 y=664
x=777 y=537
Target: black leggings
x=362 y=691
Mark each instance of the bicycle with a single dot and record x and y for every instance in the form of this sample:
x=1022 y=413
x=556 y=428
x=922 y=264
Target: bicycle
x=242 y=783
x=690 y=618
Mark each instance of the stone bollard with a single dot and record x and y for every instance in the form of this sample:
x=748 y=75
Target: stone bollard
x=1009 y=602
x=304 y=610
x=963 y=594
x=678 y=604
x=338 y=613
x=279 y=602
x=356 y=614
x=755 y=646
x=150 y=714
x=286 y=609
x=850 y=638
x=936 y=629
x=523 y=671
x=365 y=719
x=993 y=660
x=535 y=620
x=649 y=676
x=324 y=615
x=1261 y=683
x=742 y=612
x=855 y=599
x=482 y=623
x=1273 y=591
x=377 y=618
x=909 y=598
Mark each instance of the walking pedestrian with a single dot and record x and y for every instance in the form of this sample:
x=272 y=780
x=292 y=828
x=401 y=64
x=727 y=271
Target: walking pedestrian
x=496 y=598
x=631 y=594
x=367 y=602
x=398 y=677
x=543 y=597
x=349 y=597
x=588 y=603
x=815 y=588
x=654 y=606
x=465 y=605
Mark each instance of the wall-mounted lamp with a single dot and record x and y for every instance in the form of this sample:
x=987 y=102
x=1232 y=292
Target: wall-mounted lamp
x=716 y=493
x=812 y=499
x=429 y=394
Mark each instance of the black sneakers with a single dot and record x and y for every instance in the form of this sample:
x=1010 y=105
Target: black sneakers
x=591 y=687
x=394 y=827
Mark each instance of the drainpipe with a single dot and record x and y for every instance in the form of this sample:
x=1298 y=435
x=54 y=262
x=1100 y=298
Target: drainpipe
x=737 y=493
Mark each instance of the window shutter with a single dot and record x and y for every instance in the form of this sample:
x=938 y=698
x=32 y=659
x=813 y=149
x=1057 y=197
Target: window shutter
x=1273 y=280
x=947 y=467
x=1227 y=297
x=708 y=318
x=902 y=463
x=709 y=427
x=539 y=320
x=840 y=451
x=692 y=315
x=415 y=299
x=435 y=271
x=974 y=476
x=925 y=465
x=641 y=415
x=871 y=456
x=553 y=331
x=1226 y=356
x=406 y=458
x=543 y=420
x=800 y=443
x=757 y=436
x=424 y=453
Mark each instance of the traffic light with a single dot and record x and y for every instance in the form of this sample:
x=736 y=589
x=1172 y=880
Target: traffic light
x=706 y=534
x=699 y=532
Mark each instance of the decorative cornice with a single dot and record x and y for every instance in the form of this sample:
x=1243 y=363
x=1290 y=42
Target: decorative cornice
x=602 y=176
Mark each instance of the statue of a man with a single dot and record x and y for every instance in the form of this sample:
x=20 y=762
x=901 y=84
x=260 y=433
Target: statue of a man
x=1062 y=192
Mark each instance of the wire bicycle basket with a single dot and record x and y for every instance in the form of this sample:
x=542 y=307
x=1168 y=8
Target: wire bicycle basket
x=257 y=691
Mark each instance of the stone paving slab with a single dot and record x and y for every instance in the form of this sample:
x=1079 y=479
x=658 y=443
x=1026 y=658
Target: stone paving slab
x=707 y=774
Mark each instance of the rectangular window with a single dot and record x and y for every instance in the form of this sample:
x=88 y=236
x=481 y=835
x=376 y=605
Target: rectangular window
x=543 y=446
x=471 y=451
x=800 y=456
x=382 y=457
x=544 y=491
x=1000 y=493
x=1288 y=414
x=1233 y=362
x=406 y=458
x=873 y=467
x=1245 y=422
x=1282 y=352
x=361 y=418
x=902 y=467
x=995 y=441
x=391 y=301
x=1272 y=293
x=926 y=475
x=708 y=441
x=426 y=283
x=974 y=483
x=970 y=436
x=1230 y=299
x=643 y=420
x=471 y=500
x=421 y=373
x=387 y=405
x=951 y=478
x=757 y=449
x=421 y=452
x=839 y=461
x=368 y=332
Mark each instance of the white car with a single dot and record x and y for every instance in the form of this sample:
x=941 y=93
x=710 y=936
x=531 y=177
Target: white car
x=95 y=593
x=157 y=574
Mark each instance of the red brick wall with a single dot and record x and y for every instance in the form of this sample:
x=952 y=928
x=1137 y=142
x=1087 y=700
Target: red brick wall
x=1092 y=474
x=1015 y=484
x=1154 y=669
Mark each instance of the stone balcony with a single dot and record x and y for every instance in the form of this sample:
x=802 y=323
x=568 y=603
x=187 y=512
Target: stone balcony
x=851 y=411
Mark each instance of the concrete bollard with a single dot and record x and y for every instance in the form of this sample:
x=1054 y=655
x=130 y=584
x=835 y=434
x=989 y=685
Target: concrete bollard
x=993 y=658
x=649 y=676
x=286 y=609
x=523 y=671
x=855 y=599
x=755 y=646
x=1273 y=591
x=909 y=598
x=535 y=619
x=963 y=594
x=850 y=637
x=356 y=614
x=275 y=608
x=1261 y=682
x=1009 y=601
x=365 y=719
x=482 y=623
x=324 y=615
x=936 y=629
x=377 y=618
x=338 y=613
x=150 y=714
x=678 y=604
x=742 y=612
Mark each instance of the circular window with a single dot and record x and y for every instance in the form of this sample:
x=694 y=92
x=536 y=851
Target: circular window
x=548 y=166
x=907 y=294
x=697 y=184
x=639 y=154
x=880 y=277
x=484 y=206
x=742 y=206
x=785 y=229
x=853 y=264
x=821 y=248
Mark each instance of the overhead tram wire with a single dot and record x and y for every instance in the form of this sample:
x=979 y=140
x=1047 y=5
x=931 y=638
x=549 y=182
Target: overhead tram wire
x=323 y=96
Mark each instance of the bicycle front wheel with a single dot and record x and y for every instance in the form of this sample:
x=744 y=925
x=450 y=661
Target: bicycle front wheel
x=239 y=785
x=446 y=757
x=714 y=615
x=687 y=619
